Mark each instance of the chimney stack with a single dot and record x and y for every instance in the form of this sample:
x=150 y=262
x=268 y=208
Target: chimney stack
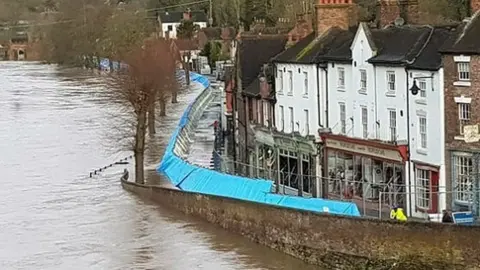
x=390 y=10
x=187 y=15
x=474 y=6
x=339 y=13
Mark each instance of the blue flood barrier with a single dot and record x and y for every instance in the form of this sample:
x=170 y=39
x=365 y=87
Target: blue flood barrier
x=189 y=177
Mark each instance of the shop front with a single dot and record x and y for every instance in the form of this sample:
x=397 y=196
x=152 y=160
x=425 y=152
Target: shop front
x=370 y=173
x=426 y=185
x=288 y=160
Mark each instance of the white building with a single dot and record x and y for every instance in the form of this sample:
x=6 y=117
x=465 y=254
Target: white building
x=358 y=88
x=367 y=101
x=170 y=21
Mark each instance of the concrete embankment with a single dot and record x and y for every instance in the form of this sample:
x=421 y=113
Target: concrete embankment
x=333 y=242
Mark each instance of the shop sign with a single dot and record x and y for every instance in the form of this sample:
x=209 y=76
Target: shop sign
x=365 y=150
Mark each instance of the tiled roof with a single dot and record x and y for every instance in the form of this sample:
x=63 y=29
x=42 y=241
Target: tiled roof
x=176 y=17
x=430 y=57
x=256 y=51
x=253 y=88
x=312 y=49
x=468 y=41
x=399 y=44
x=339 y=47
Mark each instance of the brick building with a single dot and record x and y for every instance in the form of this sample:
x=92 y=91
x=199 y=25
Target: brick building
x=461 y=60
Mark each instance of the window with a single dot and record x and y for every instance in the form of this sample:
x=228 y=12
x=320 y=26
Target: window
x=463 y=69
x=422 y=126
x=393 y=124
x=280 y=80
x=462 y=171
x=341 y=78
x=363 y=79
x=290 y=82
x=290 y=109
x=423 y=188
x=422 y=84
x=305 y=83
x=343 y=118
x=282 y=117
x=463 y=115
x=391 y=81
x=307 y=122
x=170 y=28
x=266 y=114
x=365 y=122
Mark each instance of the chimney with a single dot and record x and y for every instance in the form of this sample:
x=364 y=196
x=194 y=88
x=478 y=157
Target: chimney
x=474 y=6
x=339 y=13
x=187 y=15
x=391 y=10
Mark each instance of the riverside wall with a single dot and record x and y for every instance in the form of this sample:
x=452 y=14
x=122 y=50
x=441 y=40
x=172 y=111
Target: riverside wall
x=331 y=241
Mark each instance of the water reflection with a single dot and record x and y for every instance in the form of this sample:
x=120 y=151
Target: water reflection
x=53 y=125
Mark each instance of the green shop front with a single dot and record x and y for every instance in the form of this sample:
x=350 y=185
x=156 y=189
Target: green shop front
x=290 y=160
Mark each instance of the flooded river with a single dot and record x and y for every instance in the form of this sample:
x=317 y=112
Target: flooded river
x=53 y=131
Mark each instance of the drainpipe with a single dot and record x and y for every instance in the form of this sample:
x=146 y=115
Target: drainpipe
x=376 y=103
x=318 y=98
x=409 y=178
x=327 y=124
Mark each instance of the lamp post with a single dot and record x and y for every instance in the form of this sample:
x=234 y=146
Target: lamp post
x=414 y=90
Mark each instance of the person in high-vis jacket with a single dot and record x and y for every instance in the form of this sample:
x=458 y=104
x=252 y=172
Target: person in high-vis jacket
x=397 y=214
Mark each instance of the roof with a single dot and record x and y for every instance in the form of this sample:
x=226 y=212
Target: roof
x=338 y=47
x=177 y=16
x=312 y=49
x=468 y=41
x=399 y=44
x=256 y=51
x=430 y=57
x=253 y=88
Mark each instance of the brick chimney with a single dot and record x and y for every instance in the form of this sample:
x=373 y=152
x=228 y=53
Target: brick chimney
x=474 y=6
x=339 y=13
x=390 y=10
x=187 y=15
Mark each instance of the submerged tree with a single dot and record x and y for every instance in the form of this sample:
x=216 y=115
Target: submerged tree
x=150 y=74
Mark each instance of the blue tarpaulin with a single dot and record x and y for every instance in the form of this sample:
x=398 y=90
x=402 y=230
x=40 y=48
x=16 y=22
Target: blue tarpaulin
x=193 y=178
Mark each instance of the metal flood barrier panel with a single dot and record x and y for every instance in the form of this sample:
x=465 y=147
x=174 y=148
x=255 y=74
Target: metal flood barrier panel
x=193 y=178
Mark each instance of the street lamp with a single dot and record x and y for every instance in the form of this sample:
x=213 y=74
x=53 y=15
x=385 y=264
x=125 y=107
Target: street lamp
x=414 y=89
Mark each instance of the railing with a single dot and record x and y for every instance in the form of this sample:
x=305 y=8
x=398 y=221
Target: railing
x=193 y=178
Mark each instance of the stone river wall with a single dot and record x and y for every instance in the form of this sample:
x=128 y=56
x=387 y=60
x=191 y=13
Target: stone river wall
x=334 y=242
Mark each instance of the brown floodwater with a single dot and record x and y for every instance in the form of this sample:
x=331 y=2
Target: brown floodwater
x=54 y=130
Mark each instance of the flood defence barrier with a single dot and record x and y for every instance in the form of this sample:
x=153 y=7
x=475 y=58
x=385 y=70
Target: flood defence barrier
x=193 y=178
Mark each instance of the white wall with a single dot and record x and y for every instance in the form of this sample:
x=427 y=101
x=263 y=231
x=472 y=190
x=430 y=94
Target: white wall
x=297 y=99
x=173 y=32
x=431 y=106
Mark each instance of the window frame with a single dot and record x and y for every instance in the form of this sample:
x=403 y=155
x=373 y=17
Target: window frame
x=464 y=171
x=292 y=119
x=290 y=83
x=421 y=188
x=364 y=118
x=341 y=79
x=305 y=84
x=464 y=116
x=391 y=84
x=280 y=79
x=363 y=80
x=392 y=128
x=342 y=109
x=422 y=132
x=466 y=73
x=422 y=85
x=282 y=116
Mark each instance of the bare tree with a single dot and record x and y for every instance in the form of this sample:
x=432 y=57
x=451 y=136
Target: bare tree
x=150 y=74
